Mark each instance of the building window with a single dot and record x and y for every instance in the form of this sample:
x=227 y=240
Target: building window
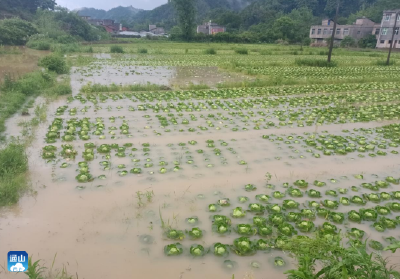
x=398 y=17
x=387 y=17
x=384 y=31
x=312 y=31
x=330 y=31
x=358 y=32
x=338 y=31
x=325 y=31
x=390 y=41
x=382 y=42
x=377 y=31
x=396 y=31
x=346 y=31
x=319 y=31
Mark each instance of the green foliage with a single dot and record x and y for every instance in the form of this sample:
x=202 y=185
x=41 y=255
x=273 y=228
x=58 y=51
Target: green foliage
x=367 y=42
x=348 y=42
x=186 y=14
x=384 y=62
x=20 y=7
x=315 y=62
x=210 y=51
x=34 y=271
x=15 y=31
x=142 y=50
x=116 y=49
x=13 y=165
x=175 y=33
x=242 y=51
x=336 y=260
x=55 y=63
x=62 y=89
x=61 y=31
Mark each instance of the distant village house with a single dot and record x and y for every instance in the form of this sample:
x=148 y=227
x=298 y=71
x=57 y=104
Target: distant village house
x=385 y=33
x=156 y=30
x=109 y=24
x=361 y=28
x=210 y=28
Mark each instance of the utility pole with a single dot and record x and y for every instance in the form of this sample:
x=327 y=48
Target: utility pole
x=333 y=33
x=391 y=42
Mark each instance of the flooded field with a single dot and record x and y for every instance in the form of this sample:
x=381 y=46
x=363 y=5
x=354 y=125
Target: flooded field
x=121 y=178
x=106 y=71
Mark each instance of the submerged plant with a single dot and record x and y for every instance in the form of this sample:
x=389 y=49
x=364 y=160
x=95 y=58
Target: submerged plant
x=238 y=212
x=245 y=229
x=197 y=250
x=174 y=234
x=220 y=250
x=173 y=249
x=242 y=246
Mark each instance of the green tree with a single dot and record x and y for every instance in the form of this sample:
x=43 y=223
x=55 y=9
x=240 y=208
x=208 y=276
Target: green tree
x=283 y=28
x=367 y=42
x=186 y=14
x=175 y=33
x=15 y=31
x=348 y=42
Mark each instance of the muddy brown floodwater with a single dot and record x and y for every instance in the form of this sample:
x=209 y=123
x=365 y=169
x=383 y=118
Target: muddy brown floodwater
x=95 y=229
x=175 y=77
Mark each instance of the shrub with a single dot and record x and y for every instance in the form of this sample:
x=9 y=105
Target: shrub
x=210 y=51
x=348 y=42
x=241 y=51
x=54 y=63
x=315 y=63
x=368 y=42
x=142 y=50
x=39 y=45
x=116 y=49
x=15 y=31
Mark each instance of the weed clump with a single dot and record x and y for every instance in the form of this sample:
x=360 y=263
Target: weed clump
x=210 y=51
x=142 y=50
x=62 y=89
x=315 y=63
x=116 y=49
x=242 y=51
x=55 y=63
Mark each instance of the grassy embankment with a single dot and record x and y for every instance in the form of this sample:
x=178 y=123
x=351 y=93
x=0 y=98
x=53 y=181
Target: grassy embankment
x=17 y=95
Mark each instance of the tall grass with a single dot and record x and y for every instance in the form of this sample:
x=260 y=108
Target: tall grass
x=14 y=93
x=242 y=51
x=315 y=63
x=384 y=63
x=97 y=88
x=193 y=86
x=116 y=49
x=142 y=50
x=210 y=51
x=13 y=165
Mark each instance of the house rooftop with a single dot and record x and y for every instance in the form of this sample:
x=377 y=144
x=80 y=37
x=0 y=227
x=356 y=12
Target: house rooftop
x=392 y=11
